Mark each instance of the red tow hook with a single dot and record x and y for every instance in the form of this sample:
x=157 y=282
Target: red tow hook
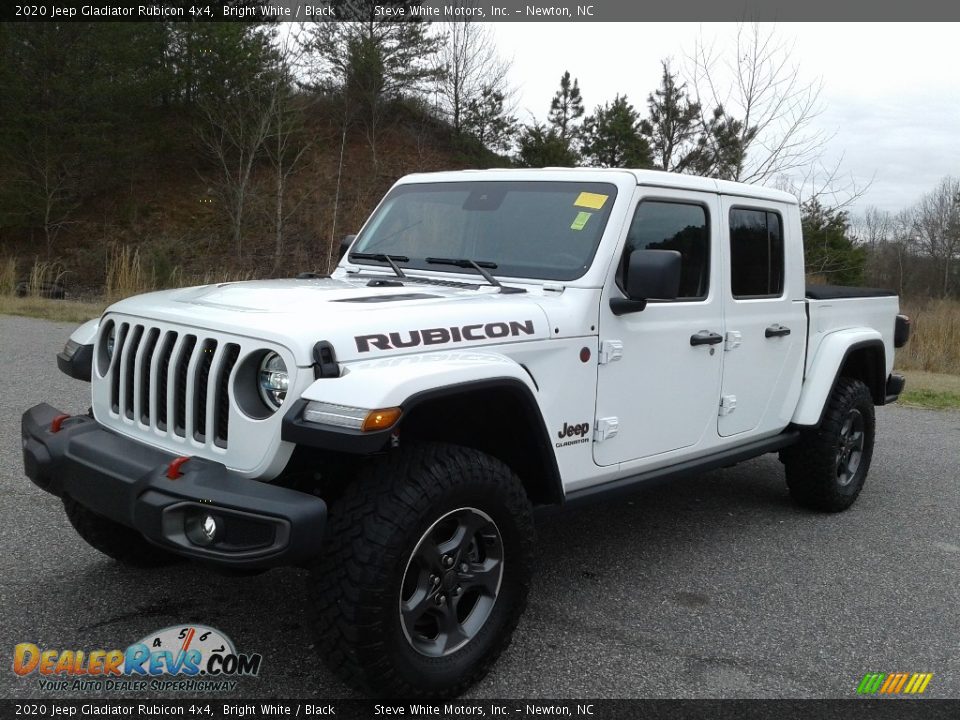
x=58 y=422
x=173 y=470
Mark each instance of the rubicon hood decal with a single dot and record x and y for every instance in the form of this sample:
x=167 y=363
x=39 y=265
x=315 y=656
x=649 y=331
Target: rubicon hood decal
x=443 y=335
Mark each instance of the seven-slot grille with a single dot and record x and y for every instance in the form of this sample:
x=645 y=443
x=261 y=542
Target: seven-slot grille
x=175 y=382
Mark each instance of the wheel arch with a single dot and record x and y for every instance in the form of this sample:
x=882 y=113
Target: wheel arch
x=498 y=416
x=860 y=356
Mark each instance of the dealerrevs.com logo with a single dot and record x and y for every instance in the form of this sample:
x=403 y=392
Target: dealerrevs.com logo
x=182 y=658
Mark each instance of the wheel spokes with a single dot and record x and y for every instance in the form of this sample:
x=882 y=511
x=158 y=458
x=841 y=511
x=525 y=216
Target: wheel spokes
x=459 y=559
x=485 y=576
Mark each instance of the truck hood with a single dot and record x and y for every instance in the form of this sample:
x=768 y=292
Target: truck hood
x=361 y=321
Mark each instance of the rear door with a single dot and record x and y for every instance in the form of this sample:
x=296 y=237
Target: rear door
x=764 y=318
x=656 y=388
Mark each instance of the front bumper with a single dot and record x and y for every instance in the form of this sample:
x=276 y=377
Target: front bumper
x=260 y=525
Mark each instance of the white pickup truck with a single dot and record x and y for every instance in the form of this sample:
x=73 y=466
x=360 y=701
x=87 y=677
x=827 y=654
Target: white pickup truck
x=491 y=342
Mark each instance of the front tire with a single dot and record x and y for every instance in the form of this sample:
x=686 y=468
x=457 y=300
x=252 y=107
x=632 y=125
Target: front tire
x=425 y=573
x=827 y=468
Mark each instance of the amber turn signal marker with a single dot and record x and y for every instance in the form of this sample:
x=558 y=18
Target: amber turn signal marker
x=381 y=419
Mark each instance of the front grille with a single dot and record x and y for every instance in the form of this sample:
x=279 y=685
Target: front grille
x=174 y=382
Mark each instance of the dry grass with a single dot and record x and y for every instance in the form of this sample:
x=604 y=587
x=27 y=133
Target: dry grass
x=126 y=275
x=44 y=274
x=934 y=339
x=8 y=277
x=61 y=310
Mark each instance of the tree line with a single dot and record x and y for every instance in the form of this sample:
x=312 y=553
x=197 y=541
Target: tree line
x=89 y=107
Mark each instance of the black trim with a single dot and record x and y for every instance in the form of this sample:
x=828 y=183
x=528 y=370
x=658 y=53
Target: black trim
x=623 y=306
x=78 y=366
x=295 y=429
x=534 y=418
x=126 y=481
x=724 y=458
x=895 y=384
x=325 y=363
x=843 y=292
x=879 y=368
x=388 y=298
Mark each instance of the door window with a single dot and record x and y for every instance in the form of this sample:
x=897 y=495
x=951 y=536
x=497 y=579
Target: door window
x=756 y=253
x=661 y=225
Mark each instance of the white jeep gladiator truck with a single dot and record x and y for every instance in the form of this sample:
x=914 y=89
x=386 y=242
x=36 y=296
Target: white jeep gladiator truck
x=491 y=342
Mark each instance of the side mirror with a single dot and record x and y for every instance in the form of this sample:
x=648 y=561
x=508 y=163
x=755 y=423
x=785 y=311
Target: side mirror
x=345 y=244
x=650 y=275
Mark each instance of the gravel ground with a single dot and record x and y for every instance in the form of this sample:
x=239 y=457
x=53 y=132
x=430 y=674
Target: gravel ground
x=712 y=587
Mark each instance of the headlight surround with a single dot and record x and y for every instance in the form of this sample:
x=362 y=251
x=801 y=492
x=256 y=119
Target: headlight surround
x=273 y=381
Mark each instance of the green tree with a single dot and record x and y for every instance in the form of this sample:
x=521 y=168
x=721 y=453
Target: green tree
x=828 y=245
x=566 y=109
x=488 y=121
x=612 y=136
x=371 y=61
x=542 y=146
x=673 y=126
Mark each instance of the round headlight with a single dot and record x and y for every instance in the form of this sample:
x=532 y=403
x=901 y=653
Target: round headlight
x=272 y=380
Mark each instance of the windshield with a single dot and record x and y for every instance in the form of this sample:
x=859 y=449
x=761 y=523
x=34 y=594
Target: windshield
x=543 y=230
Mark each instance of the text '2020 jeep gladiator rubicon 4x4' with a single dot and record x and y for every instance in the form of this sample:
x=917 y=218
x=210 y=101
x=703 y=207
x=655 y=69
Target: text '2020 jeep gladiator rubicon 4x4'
x=491 y=341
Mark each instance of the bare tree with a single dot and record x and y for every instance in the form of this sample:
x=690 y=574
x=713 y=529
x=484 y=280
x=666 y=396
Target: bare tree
x=288 y=139
x=52 y=178
x=471 y=64
x=758 y=82
x=937 y=227
x=233 y=131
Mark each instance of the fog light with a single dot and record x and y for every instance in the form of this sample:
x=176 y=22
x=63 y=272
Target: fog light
x=202 y=528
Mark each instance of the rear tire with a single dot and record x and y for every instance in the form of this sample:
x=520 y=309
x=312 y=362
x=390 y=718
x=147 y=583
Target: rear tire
x=425 y=572
x=117 y=541
x=827 y=468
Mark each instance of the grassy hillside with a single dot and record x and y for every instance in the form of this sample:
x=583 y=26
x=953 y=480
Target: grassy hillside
x=166 y=226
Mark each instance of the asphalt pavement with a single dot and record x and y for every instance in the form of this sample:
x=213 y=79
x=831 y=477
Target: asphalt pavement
x=713 y=587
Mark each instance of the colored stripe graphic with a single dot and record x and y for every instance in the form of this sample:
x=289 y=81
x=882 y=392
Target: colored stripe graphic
x=894 y=683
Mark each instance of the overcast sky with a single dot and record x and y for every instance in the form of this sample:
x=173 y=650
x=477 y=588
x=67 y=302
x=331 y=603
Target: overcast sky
x=891 y=91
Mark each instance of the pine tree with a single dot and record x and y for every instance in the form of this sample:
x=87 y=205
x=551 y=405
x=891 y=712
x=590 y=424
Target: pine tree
x=566 y=108
x=829 y=249
x=673 y=126
x=612 y=136
x=488 y=121
x=542 y=146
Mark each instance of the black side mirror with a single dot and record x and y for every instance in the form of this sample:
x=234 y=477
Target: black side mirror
x=345 y=244
x=650 y=275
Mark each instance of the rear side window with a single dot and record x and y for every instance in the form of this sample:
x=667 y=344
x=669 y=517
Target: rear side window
x=756 y=253
x=660 y=225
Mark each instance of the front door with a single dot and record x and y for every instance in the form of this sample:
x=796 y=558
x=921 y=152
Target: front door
x=661 y=394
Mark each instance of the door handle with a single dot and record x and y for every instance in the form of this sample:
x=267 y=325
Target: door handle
x=705 y=337
x=776 y=331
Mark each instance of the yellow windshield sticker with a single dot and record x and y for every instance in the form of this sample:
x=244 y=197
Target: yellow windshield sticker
x=580 y=220
x=594 y=201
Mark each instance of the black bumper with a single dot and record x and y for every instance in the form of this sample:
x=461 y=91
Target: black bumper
x=895 y=385
x=260 y=525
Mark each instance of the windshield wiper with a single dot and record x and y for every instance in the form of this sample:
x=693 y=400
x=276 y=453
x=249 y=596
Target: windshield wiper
x=478 y=265
x=391 y=260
